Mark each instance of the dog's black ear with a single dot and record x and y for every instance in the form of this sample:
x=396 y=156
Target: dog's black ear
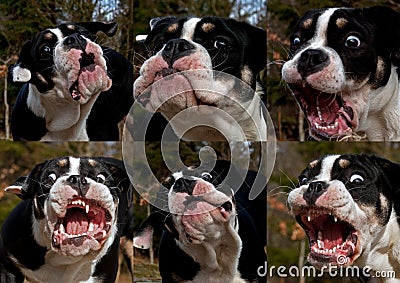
x=144 y=234
x=108 y=29
x=387 y=37
x=156 y=26
x=28 y=187
x=256 y=48
x=19 y=72
x=391 y=172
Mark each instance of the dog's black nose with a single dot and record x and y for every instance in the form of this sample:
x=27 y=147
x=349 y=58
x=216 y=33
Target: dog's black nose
x=314 y=191
x=75 y=41
x=183 y=185
x=175 y=49
x=79 y=183
x=312 y=61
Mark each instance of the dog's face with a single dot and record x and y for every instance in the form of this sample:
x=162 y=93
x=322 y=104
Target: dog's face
x=201 y=208
x=182 y=46
x=341 y=60
x=76 y=204
x=64 y=62
x=347 y=205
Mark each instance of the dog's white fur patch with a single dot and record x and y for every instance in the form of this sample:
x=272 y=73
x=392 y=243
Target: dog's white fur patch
x=188 y=28
x=21 y=75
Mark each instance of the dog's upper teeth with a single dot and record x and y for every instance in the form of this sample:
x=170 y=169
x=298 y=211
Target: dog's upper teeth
x=320 y=244
x=87 y=209
x=335 y=219
x=62 y=229
x=309 y=218
x=91 y=227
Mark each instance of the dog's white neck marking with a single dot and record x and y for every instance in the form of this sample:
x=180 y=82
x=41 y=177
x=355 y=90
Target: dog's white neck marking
x=188 y=28
x=326 y=168
x=218 y=259
x=383 y=120
x=382 y=253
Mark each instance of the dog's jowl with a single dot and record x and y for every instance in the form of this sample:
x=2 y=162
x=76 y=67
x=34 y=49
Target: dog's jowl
x=67 y=227
x=348 y=205
x=343 y=72
x=74 y=88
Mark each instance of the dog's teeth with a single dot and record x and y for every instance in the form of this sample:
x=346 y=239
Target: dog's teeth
x=308 y=218
x=83 y=203
x=320 y=236
x=334 y=250
x=91 y=227
x=320 y=244
x=335 y=219
x=87 y=209
x=62 y=229
x=104 y=233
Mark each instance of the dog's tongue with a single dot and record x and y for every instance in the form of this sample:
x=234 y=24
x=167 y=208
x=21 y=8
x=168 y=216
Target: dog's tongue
x=76 y=222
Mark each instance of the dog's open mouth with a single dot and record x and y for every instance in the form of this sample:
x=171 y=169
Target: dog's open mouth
x=86 y=64
x=327 y=113
x=85 y=219
x=332 y=241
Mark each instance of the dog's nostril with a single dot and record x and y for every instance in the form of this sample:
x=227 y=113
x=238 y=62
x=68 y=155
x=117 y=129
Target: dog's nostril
x=73 y=179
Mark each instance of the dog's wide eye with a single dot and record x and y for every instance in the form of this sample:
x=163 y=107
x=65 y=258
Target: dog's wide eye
x=45 y=50
x=352 y=42
x=219 y=44
x=356 y=179
x=206 y=176
x=100 y=178
x=296 y=41
x=52 y=176
x=303 y=180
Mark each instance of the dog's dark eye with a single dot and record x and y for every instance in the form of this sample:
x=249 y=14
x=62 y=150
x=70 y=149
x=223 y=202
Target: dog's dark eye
x=206 y=176
x=303 y=180
x=352 y=42
x=296 y=41
x=356 y=179
x=219 y=44
x=100 y=178
x=45 y=50
x=52 y=176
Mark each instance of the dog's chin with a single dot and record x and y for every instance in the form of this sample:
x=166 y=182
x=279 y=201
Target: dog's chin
x=84 y=228
x=333 y=241
x=329 y=116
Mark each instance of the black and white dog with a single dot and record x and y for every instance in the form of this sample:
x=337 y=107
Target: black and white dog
x=67 y=227
x=74 y=88
x=349 y=207
x=210 y=235
x=186 y=72
x=343 y=72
